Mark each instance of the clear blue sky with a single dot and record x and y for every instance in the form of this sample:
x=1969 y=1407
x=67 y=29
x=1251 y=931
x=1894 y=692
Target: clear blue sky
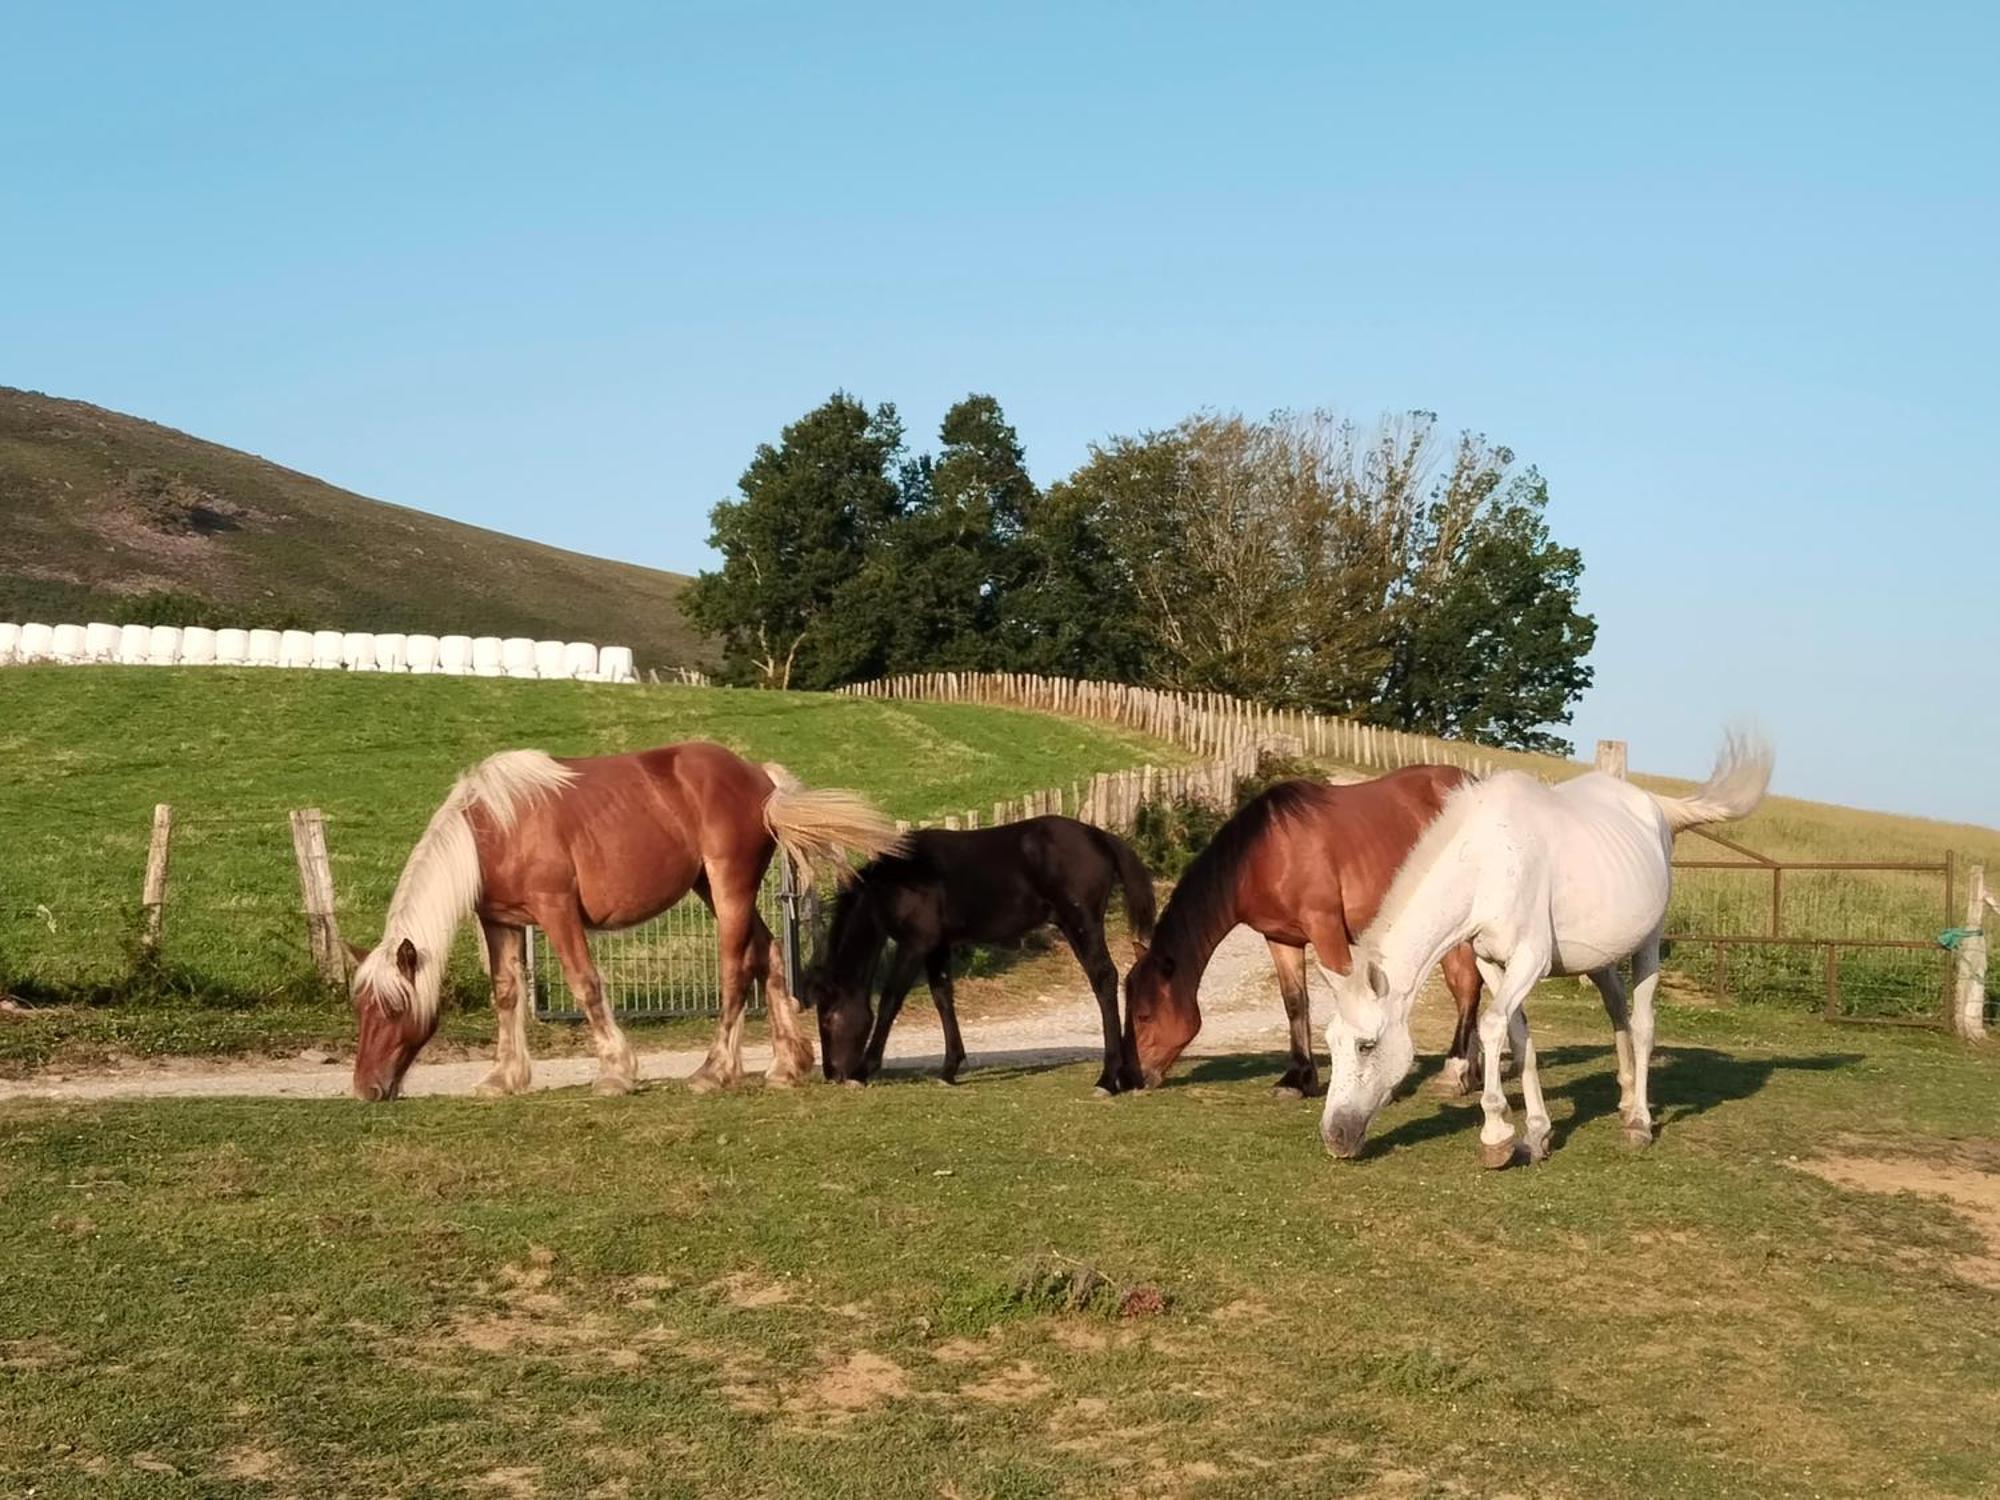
x=1726 y=274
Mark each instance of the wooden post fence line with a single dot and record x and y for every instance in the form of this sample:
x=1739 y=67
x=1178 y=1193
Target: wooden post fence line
x=1112 y=799
x=1208 y=724
x=316 y=887
x=1611 y=758
x=153 y=894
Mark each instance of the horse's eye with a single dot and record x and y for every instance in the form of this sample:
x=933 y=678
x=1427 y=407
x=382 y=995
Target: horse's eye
x=1365 y=1046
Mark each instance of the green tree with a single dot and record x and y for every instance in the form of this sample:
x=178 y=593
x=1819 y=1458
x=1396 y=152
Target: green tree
x=948 y=566
x=1302 y=561
x=814 y=510
x=1491 y=642
x=1073 y=612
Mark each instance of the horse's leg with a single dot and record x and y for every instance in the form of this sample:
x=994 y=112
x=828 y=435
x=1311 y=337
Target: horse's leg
x=1645 y=979
x=937 y=966
x=1327 y=932
x=506 y=947
x=732 y=896
x=1611 y=985
x=1301 y=1079
x=1508 y=985
x=1536 y=1129
x=1083 y=930
x=895 y=985
x=791 y=1046
x=617 y=1067
x=1461 y=1072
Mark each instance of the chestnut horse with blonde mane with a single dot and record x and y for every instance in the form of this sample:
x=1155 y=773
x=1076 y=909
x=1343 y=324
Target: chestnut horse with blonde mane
x=576 y=845
x=1303 y=863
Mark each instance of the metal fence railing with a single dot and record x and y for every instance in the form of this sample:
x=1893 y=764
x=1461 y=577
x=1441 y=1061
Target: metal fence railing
x=670 y=966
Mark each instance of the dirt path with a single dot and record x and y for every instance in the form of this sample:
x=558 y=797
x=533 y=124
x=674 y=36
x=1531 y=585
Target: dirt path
x=1239 y=999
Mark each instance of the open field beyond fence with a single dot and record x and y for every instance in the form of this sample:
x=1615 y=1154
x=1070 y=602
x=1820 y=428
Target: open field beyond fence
x=89 y=754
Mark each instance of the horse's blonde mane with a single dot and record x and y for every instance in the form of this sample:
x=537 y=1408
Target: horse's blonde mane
x=441 y=880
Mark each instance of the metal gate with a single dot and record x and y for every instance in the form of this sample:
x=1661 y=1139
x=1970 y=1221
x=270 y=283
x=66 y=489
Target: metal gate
x=670 y=966
x=1884 y=965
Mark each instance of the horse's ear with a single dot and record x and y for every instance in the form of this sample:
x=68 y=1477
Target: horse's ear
x=406 y=960
x=1378 y=981
x=1139 y=951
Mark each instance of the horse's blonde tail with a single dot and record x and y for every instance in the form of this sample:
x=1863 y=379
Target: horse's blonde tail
x=1733 y=790
x=815 y=826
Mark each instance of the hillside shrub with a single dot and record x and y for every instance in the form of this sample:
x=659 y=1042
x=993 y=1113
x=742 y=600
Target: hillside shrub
x=1170 y=832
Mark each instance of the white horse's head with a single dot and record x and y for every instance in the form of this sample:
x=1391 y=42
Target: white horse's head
x=1369 y=1038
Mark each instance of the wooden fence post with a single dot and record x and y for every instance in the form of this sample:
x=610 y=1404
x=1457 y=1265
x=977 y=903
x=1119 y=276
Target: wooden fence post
x=316 y=887
x=1611 y=758
x=1969 y=1016
x=153 y=895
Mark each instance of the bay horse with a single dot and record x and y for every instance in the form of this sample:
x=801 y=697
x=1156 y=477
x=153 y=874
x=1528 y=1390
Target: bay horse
x=982 y=885
x=576 y=845
x=1305 y=862
x=1541 y=880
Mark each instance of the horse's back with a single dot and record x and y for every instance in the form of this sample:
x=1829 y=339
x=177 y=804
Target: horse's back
x=1368 y=829
x=632 y=832
x=1611 y=870
x=996 y=883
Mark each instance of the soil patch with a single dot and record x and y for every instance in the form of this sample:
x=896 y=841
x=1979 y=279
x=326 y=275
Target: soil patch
x=1972 y=1194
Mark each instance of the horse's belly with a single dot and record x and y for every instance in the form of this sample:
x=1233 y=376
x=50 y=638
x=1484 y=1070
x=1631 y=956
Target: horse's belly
x=620 y=894
x=1606 y=923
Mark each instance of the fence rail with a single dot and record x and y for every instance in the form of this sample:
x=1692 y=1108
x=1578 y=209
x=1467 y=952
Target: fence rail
x=1212 y=724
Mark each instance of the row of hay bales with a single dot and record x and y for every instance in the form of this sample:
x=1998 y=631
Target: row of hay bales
x=323 y=650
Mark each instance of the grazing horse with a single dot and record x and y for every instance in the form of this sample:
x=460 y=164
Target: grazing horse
x=985 y=885
x=1303 y=863
x=1541 y=880
x=579 y=845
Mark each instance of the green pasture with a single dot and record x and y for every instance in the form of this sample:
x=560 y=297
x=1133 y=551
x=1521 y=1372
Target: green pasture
x=1014 y=1289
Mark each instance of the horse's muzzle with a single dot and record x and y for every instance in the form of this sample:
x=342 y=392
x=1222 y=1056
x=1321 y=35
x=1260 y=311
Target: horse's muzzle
x=1344 y=1135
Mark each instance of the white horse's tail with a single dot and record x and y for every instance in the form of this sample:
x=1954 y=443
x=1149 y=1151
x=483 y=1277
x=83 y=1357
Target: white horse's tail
x=1732 y=791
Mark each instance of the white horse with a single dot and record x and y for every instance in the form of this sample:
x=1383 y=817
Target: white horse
x=1570 y=879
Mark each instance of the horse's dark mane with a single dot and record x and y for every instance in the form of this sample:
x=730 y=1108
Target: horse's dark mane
x=1202 y=908
x=855 y=935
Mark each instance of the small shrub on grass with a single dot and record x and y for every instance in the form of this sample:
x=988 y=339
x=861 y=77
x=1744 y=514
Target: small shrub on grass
x=1169 y=834
x=1048 y=1285
x=1272 y=769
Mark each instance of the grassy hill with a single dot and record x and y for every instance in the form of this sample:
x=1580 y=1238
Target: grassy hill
x=92 y=749
x=98 y=507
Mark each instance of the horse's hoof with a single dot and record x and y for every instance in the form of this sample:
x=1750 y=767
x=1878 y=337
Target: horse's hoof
x=613 y=1086
x=852 y=1083
x=1287 y=1091
x=782 y=1080
x=494 y=1088
x=1537 y=1149
x=705 y=1083
x=1493 y=1155
x=1638 y=1137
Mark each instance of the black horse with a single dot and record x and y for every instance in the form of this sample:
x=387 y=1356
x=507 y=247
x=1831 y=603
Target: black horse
x=984 y=885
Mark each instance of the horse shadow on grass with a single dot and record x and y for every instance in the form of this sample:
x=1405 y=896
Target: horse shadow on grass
x=1685 y=1082
x=984 y=1067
